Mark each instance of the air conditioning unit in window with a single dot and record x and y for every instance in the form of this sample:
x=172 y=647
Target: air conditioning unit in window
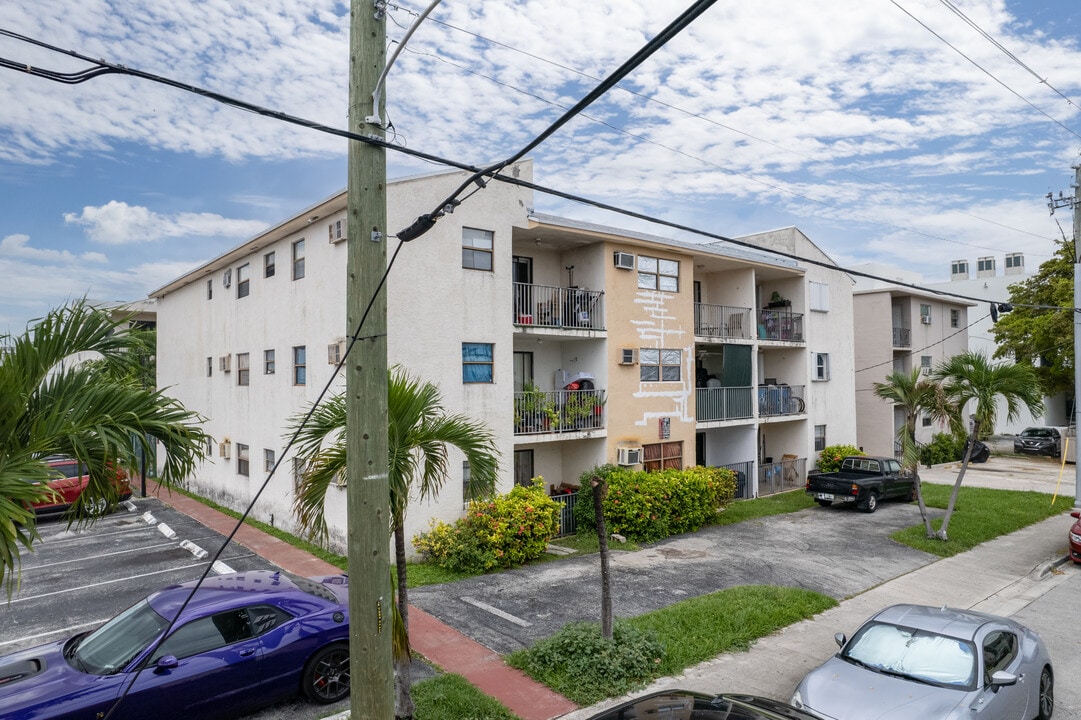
x=335 y=351
x=628 y=356
x=926 y=369
x=337 y=231
x=628 y=456
x=623 y=260
x=224 y=448
x=225 y=363
x=227 y=278
x=925 y=319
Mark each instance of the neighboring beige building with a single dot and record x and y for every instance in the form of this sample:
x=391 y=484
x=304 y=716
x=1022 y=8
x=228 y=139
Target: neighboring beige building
x=578 y=344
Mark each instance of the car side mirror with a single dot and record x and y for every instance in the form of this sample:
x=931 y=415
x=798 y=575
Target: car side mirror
x=1003 y=678
x=840 y=639
x=166 y=662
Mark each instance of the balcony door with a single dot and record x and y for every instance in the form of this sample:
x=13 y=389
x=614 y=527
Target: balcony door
x=522 y=275
x=523 y=370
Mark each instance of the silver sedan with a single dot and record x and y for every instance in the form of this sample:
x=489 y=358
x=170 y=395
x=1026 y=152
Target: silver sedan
x=913 y=661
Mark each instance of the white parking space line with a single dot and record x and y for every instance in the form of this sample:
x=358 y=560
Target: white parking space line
x=116 y=580
x=497 y=612
x=62 y=632
x=82 y=559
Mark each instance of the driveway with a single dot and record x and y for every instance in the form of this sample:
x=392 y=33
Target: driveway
x=836 y=551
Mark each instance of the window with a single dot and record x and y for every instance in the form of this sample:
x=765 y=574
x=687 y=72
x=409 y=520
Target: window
x=467 y=477
x=209 y=289
x=820 y=438
x=477 y=362
x=822 y=366
x=268 y=264
x=927 y=421
x=206 y=634
x=820 y=296
x=925 y=364
x=209 y=366
x=242 y=459
x=477 y=248
x=299 y=469
x=298 y=259
x=959 y=267
x=243 y=369
x=659 y=365
x=300 y=365
x=662 y=456
x=268 y=460
x=955 y=318
x=1015 y=260
x=985 y=264
x=999 y=651
x=243 y=280
x=334 y=352
x=657 y=274
x=268 y=362
x=925 y=314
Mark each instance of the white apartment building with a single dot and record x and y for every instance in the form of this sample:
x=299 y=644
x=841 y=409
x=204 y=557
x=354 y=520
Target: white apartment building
x=578 y=344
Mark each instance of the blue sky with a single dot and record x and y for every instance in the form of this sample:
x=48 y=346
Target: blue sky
x=848 y=119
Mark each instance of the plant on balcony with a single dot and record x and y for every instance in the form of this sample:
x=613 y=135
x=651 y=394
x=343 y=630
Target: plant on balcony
x=533 y=410
x=776 y=301
x=581 y=409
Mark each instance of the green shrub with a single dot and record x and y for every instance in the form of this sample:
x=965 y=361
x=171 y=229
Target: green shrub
x=585 y=667
x=509 y=530
x=943 y=448
x=829 y=460
x=646 y=506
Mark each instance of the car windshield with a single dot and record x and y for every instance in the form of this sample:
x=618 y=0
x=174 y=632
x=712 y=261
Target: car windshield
x=915 y=654
x=111 y=647
x=1036 y=433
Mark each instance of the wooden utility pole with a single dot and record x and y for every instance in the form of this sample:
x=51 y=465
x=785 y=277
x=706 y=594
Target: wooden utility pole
x=371 y=607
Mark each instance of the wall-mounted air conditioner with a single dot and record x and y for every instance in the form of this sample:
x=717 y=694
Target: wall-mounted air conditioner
x=926 y=369
x=925 y=319
x=225 y=363
x=628 y=456
x=335 y=351
x=628 y=356
x=623 y=260
x=227 y=278
x=337 y=231
x=224 y=447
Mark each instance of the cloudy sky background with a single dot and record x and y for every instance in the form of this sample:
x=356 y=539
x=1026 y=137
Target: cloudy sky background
x=854 y=120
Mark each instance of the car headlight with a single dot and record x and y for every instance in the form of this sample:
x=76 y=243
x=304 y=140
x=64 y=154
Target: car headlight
x=1075 y=538
x=797 y=700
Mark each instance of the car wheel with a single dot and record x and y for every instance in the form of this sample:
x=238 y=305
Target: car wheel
x=326 y=676
x=825 y=503
x=871 y=503
x=1047 y=695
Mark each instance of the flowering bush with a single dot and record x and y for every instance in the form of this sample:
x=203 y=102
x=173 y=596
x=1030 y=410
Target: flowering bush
x=509 y=530
x=829 y=460
x=645 y=506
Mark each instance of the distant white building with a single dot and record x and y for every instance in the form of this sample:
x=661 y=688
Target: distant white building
x=578 y=344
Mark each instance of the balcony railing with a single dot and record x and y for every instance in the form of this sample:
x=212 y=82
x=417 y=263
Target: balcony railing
x=537 y=412
x=722 y=321
x=775 y=477
x=743 y=471
x=723 y=403
x=567 y=524
x=780 y=325
x=780 y=400
x=558 y=307
x=902 y=337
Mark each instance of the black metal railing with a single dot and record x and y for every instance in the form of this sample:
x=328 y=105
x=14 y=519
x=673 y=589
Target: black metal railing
x=902 y=337
x=558 y=307
x=743 y=470
x=567 y=523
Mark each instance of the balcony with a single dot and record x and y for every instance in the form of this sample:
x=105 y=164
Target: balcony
x=780 y=325
x=538 y=413
x=722 y=321
x=776 y=477
x=776 y=400
x=723 y=403
x=558 y=307
x=902 y=337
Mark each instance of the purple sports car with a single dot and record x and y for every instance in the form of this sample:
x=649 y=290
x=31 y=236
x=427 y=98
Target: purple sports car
x=245 y=640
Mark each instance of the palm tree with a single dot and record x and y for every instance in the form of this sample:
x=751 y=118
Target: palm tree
x=971 y=377
x=55 y=402
x=419 y=433
x=915 y=395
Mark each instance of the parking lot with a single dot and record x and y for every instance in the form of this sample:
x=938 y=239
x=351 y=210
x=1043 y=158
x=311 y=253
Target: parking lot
x=76 y=579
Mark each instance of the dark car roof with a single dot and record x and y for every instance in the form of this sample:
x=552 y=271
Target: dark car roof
x=961 y=624
x=220 y=589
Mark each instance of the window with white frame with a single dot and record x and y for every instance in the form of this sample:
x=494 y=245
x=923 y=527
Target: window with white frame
x=658 y=274
x=298 y=259
x=243 y=280
x=478 y=362
x=243 y=369
x=268 y=362
x=925 y=364
x=268 y=460
x=477 y=248
x=925 y=314
x=660 y=364
x=820 y=438
x=959 y=267
x=820 y=296
x=955 y=318
x=822 y=367
x=300 y=365
x=268 y=264
x=242 y=459
x=1015 y=260
x=985 y=264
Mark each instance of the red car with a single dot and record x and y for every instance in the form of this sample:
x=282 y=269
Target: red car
x=1075 y=537
x=70 y=485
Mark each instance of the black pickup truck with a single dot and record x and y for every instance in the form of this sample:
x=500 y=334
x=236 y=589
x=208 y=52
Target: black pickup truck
x=861 y=480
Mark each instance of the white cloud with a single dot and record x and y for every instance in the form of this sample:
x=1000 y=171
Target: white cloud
x=117 y=223
x=17 y=247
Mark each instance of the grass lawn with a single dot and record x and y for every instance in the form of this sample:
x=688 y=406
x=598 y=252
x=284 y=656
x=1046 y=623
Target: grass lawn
x=981 y=514
x=452 y=697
